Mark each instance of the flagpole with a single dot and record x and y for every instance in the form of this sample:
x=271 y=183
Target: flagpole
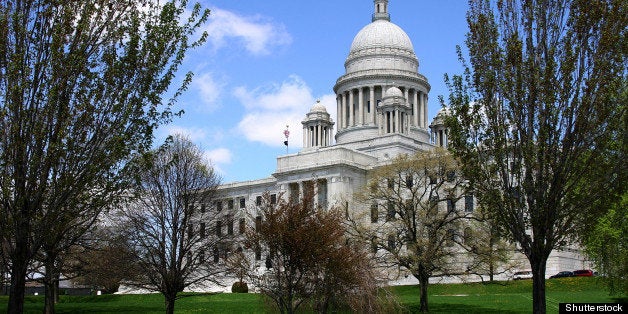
x=286 y=133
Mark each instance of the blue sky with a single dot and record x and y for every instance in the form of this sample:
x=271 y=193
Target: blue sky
x=265 y=64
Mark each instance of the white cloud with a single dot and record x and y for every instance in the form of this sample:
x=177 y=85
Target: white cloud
x=195 y=135
x=269 y=109
x=258 y=35
x=210 y=91
x=219 y=156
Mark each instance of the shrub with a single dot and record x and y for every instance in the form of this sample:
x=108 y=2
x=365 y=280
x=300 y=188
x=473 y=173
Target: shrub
x=239 y=287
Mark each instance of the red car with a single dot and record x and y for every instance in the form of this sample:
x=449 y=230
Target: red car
x=583 y=273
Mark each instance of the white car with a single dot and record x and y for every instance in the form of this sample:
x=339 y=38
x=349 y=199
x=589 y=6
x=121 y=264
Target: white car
x=522 y=275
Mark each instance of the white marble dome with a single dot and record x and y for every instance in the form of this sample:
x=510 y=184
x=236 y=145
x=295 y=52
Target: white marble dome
x=394 y=92
x=318 y=107
x=381 y=45
x=381 y=34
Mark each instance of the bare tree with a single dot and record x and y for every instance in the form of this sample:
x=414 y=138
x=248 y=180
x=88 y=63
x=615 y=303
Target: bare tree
x=170 y=226
x=309 y=258
x=414 y=221
x=534 y=116
x=81 y=85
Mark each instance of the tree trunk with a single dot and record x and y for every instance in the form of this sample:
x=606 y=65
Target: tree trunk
x=170 y=303
x=50 y=279
x=424 y=280
x=538 y=284
x=19 y=266
x=17 y=289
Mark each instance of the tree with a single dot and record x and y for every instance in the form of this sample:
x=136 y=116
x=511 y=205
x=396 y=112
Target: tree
x=414 y=223
x=81 y=87
x=533 y=116
x=489 y=252
x=309 y=258
x=607 y=245
x=170 y=227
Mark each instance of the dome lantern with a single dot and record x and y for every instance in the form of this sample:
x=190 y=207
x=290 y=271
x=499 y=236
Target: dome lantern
x=381 y=10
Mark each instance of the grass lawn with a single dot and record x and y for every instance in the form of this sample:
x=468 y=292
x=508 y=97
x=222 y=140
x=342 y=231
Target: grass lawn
x=502 y=297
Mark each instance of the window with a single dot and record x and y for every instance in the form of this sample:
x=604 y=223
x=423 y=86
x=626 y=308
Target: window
x=374 y=213
x=216 y=255
x=390 y=183
x=258 y=252
x=390 y=213
x=202 y=230
x=242 y=225
x=468 y=203
x=230 y=226
x=243 y=202
x=432 y=179
x=190 y=231
x=258 y=223
x=258 y=200
x=451 y=206
x=273 y=199
x=451 y=175
x=219 y=228
x=391 y=243
x=322 y=192
x=202 y=208
x=230 y=204
x=218 y=205
x=374 y=244
x=294 y=192
x=409 y=181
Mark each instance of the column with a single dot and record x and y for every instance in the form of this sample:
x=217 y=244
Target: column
x=397 y=121
x=421 y=111
x=320 y=135
x=351 y=117
x=406 y=95
x=343 y=120
x=425 y=110
x=304 y=136
x=373 y=105
x=415 y=110
x=339 y=109
x=361 y=106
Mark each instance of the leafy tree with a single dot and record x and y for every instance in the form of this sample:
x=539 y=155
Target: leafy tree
x=81 y=86
x=414 y=222
x=607 y=245
x=533 y=116
x=170 y=227
x=309 y=258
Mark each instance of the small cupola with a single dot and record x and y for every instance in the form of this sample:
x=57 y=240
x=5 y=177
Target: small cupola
x=317 y=127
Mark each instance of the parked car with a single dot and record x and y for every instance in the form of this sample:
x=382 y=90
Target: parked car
x=583 y=273
x=563 y=274
x=522 y=275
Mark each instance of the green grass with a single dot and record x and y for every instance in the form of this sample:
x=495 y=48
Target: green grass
x=502 y=297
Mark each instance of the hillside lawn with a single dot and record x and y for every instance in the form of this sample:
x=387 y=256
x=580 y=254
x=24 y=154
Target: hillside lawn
x=500 y=297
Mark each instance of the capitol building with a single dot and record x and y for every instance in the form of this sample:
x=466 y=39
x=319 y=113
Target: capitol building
x=382 y=107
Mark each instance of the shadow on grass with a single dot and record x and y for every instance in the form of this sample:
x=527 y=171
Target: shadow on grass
x=456 y=308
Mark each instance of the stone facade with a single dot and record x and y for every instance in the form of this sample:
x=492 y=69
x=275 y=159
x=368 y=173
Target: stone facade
x=382 y=112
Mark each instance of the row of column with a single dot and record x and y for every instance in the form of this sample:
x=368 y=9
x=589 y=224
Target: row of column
x=366 y=111
x=317 y=135
x=393 y=121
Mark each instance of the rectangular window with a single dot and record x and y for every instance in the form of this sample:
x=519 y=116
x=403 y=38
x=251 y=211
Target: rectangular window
x=390 y=213
x=451 y=206
x=322 y=192
x=294 y=192
x=258 y=200
x=202 y=208
x=230 y=227
x=374 y=244
x=216 y=255
x=391 y=243
x=468 y=203
x=258 y=223
x=219 y=228
x=242 y=225
x=258 y=252
x=273 y=199
x=230 y=204
x=243 y=203
x=374 y=213
x=218 y=206
x=202 y=230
